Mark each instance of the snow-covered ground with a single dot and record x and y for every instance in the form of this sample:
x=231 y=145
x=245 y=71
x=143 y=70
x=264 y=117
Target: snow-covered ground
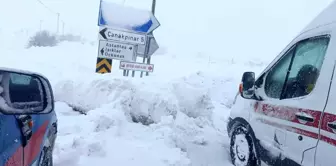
x=205 y=47
x=188 y=107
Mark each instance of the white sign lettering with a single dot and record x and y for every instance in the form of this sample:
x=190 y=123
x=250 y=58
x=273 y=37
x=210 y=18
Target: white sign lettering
x=114 y=50
x=121 y=36
x=136 y=66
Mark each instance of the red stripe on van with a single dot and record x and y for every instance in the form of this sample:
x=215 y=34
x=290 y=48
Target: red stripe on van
x=328 y=140
x=290 y=129
x=288 y=114
x=328 y=118
x=301 y=132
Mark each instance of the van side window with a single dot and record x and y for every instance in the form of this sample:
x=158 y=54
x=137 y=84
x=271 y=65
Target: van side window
x=306 y=66
x=276 y=77
x=296 y=73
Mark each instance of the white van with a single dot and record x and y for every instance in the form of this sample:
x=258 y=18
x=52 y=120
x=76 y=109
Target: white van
x=287 y=115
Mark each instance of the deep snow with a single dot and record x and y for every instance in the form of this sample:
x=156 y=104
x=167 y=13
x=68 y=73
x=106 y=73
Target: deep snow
x=189 y=108
x=205 y=47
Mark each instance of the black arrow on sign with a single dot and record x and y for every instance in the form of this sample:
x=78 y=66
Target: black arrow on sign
x=102 y=51
x=102 y=33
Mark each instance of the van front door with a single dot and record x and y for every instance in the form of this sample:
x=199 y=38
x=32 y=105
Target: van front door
x=326 y=147
x=293 y=94
x=264 y=122
x=304 y=96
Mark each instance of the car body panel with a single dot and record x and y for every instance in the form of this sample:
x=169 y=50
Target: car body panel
x=13 y=152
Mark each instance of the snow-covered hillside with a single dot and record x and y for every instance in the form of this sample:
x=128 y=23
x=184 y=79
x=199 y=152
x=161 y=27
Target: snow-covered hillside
x=205 y=47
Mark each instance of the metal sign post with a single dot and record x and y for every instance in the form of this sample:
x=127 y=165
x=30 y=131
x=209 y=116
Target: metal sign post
x=145 y=55
x=153 y=11
x=148 y=41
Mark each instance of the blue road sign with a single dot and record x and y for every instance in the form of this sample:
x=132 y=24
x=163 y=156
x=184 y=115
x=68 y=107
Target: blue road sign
x=114 y=15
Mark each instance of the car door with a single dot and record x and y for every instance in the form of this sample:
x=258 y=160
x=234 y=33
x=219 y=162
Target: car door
x=304 y=96
x=11 y=150
x=291 y=99
x=326 y=147
x=23 y=89
x=265 y=124
x=26 y=116
x=41 y=124
x=11 y=141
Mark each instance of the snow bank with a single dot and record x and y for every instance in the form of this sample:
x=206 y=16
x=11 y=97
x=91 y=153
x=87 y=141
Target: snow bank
x=107 y=135
x=138 y=99
x=119 y=143
x=183 y=119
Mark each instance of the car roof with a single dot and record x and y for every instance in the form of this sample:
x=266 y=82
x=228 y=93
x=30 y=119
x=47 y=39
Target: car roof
x=326 y=17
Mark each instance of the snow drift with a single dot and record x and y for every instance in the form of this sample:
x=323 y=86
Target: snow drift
x=179 y=123
x=139 y=100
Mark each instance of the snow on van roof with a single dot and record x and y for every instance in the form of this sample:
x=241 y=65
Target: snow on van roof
x=327 y=16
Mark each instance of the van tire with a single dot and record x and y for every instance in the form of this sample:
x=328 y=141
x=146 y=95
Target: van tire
x=243 y=149
x=47 y=158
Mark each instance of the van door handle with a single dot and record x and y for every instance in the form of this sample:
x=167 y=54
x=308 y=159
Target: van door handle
x=304 y=117
x=332 y=125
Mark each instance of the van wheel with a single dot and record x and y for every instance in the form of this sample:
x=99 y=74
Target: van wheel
x=242 y=147
x=47 y=159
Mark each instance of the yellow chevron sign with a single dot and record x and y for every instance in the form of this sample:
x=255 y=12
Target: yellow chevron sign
x=103 y=65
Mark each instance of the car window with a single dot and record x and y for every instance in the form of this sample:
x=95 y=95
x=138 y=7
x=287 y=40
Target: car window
x=306 y=66
x=296 y=73
x=24 y=89
x=19 y=79
x=276 y=77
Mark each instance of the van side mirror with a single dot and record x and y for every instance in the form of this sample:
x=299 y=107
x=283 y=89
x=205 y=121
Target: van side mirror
x=24 y=92
x=246 y=88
